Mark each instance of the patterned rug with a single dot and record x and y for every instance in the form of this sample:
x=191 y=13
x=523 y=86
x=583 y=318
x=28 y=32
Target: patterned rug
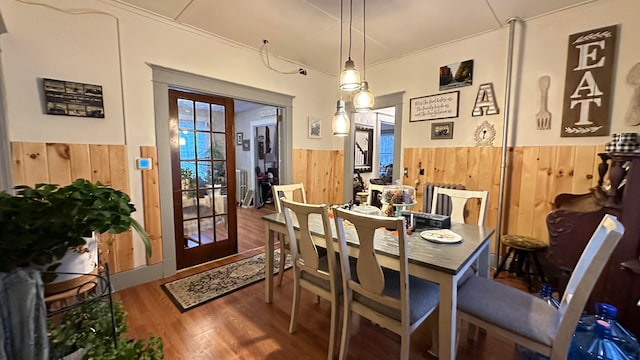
x=198 y=289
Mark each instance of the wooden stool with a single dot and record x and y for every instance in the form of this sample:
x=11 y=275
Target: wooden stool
x=524 y=249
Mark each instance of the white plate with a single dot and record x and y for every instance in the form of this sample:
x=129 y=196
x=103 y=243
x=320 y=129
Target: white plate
x=444 y=236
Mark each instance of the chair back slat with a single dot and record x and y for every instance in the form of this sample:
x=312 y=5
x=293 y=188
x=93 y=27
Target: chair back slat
x=458 y=199
x=288 y=191
x=371 y=279
x=304 y=250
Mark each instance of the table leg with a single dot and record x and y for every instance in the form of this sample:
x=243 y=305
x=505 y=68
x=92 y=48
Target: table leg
x=447 y=319
x=483 y=261
x=268 y=252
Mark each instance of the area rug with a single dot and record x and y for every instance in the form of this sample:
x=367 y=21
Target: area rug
x=200 y=288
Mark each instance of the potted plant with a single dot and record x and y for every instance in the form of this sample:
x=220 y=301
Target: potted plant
x=88 y=331
x=40 y=224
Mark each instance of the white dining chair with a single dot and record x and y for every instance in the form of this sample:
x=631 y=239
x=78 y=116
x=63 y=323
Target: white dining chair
x=392 y=299
x=528 y=320
x=313 y=271
x=292 y=192
x=458 y=200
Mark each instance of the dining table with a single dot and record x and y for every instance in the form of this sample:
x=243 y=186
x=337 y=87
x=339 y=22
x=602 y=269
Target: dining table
x=442 y=263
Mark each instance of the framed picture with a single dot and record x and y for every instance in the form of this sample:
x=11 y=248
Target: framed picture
x=239 y=137
x=456 y=75
x=72 y=98
x=431 y=107
x=315 y=128
x=443 y=130
x=246 y=145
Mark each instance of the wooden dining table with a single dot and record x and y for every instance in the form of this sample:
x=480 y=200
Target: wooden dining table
x=443 y=264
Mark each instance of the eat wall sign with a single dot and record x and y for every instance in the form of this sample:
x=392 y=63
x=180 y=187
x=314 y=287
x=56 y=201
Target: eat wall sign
x=587 y=92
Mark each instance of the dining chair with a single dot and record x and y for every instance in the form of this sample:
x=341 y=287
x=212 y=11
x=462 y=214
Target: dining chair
x=291 y=192
x=527 y=319
x=370 y=193
x=392 y=299
x=458 y=201
x=313 y=271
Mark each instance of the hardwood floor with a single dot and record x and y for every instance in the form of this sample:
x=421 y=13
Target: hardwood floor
x=242 y=326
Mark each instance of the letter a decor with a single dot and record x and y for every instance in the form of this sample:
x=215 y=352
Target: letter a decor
x=485 y=101
x=587 y=89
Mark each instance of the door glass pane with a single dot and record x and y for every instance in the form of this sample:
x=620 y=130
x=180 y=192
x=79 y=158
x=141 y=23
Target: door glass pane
x=185 y=114
x=205 y=175
x=206 y=204
x=217 y=112
x=189 y=205
x=187 y=148
x=206 y=230
x=222 y=229
x=188 y=175
x=203 y=121
x=203 y=145
x=219 y=173
x=219 y=147
x=220 y=202
x=190 y=229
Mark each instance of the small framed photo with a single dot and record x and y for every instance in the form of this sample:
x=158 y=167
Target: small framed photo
x=315 y=128
x=246 y=145
x=239 y=138
x=443 y=130
x=456 y=75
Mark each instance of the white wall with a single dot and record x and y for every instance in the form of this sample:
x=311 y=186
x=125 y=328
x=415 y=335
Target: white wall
x=45 y=43
x=541 y=50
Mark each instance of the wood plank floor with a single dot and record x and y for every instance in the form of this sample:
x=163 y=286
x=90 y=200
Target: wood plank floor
x=242 y=326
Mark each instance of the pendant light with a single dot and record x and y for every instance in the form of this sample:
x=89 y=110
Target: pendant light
x=350 y=77
x=340 y=122
x=363 y=101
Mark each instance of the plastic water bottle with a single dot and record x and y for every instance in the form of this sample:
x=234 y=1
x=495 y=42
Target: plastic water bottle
x=597 y=345
x=546 y=293
x=620 y=335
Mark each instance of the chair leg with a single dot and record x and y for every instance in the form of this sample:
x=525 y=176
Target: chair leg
x=404 y=346
x=283 y=257
x=295 y=304
x=345 y=337
x=334 y=326
x=502 y=263
x=543 y=279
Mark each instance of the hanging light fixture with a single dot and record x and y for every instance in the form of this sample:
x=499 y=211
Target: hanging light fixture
x=340 y=122
x=363 y=101
x=350 y=77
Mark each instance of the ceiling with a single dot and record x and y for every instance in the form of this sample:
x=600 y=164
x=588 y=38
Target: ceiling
x=307 y=32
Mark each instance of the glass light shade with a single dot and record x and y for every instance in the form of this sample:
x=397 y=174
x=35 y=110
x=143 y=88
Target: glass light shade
x=364 y=99
x=340 y=121
x=350 y=77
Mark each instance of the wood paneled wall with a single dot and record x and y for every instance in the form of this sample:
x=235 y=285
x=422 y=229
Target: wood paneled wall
x=61 y=163
x=322 y=172
x=534 y=176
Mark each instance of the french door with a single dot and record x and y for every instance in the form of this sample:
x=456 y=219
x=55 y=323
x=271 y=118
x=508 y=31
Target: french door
x=203 y=176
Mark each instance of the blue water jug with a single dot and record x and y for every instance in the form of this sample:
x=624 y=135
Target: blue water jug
x=596 y=345
x=620 y=335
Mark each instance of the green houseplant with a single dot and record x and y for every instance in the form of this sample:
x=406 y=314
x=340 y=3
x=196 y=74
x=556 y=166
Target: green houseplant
x=40 y=224
x=90 y=327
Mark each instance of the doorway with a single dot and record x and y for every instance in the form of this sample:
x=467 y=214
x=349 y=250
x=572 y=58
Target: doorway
x=392 y=105
x=203 y=173
x=165 y=79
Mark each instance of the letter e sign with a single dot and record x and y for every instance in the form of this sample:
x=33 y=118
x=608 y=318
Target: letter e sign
x=587 y=92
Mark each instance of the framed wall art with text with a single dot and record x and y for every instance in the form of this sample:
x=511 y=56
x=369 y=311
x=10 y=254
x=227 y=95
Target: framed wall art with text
x=432 y=107
x=588 y=85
